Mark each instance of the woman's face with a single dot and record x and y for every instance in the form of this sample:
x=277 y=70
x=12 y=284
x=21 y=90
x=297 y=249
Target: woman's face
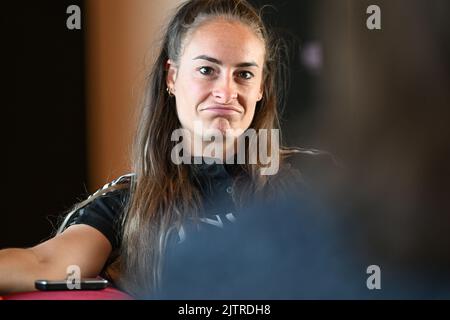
x=218 y=80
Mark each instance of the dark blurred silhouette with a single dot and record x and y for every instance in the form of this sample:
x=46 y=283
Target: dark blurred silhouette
x=279 y=250
x=294 y=248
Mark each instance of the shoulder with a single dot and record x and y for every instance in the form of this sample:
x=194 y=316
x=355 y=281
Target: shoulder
x=105 y=206
x=104 y=209
x=115 y=191
x=121 y=183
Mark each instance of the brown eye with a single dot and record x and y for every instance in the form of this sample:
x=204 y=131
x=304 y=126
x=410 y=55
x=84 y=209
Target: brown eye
x=206 y=71
x=247 y=75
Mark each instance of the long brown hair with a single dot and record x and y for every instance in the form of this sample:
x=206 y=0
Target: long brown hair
x=163 y=195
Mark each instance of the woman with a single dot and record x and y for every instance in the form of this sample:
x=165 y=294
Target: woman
x=218 y=70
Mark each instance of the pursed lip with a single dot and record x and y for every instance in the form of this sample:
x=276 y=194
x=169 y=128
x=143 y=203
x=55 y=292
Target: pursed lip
x=224 y=108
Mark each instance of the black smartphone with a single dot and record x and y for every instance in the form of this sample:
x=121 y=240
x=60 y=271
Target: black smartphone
x=85 y=284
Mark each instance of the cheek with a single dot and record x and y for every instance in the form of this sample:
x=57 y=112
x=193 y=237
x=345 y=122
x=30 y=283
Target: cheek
x=250 y=103
x=251 y=99
x=250 y=114
x=189 y=94
x=199 y=90
x=192 y=89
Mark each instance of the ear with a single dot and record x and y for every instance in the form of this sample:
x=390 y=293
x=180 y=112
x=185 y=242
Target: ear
x=171 y=74
x=261 y=93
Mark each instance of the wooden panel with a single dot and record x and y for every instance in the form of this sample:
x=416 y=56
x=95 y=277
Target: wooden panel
x=120 y=37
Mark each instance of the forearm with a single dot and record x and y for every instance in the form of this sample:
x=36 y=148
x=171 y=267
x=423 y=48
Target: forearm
x=80 y=245
x=19 y=268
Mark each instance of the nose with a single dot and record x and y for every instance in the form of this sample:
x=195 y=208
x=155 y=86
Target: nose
x=225 y=90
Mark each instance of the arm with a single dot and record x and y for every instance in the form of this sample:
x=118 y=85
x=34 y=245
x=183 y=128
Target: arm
x=80 y=245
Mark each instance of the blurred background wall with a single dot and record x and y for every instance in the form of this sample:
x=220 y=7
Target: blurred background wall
x=384 y=109
x=121 y=37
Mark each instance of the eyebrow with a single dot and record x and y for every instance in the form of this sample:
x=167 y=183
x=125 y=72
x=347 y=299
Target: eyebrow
x=216 y=61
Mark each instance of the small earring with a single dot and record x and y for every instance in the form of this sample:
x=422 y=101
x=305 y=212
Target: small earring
x=169 y=92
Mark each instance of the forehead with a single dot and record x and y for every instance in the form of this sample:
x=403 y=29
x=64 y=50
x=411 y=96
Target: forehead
x=228 y=41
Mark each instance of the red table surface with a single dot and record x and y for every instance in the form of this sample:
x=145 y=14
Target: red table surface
x=104 y=294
